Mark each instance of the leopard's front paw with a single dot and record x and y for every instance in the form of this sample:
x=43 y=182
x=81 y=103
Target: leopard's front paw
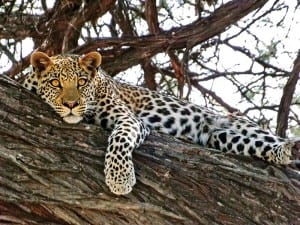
x=119 y=176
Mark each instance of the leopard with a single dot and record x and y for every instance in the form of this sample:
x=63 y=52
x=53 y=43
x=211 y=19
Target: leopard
x=78 y=90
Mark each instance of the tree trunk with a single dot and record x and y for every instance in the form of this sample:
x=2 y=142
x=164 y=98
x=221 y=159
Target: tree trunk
x=287 y=98
x=52 y=173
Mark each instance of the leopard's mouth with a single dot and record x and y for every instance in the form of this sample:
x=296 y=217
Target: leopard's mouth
x=72 y=119
x=71 y=116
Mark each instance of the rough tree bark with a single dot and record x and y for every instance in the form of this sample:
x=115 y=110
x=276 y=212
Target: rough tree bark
x=52 y=173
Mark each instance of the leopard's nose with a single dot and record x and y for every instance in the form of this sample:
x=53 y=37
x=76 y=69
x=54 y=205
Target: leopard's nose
x=71 y=104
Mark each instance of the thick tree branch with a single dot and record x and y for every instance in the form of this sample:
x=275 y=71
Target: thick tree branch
x=151 y=16
x=19 y=26
x=57 y=31
x=52 y=173
x=149 y=74
x=91 y=12
x=128 y=52
x=152 y=21
x=286 y=99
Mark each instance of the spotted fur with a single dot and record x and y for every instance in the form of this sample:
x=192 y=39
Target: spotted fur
x=75 y=87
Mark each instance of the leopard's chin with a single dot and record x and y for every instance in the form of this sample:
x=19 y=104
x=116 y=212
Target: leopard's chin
x=72 y=119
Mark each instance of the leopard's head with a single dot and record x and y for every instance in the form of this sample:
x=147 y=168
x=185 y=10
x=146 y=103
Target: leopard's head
x=67 y=82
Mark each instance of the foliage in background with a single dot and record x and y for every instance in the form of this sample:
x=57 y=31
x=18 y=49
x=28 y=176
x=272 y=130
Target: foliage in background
x=229 y=55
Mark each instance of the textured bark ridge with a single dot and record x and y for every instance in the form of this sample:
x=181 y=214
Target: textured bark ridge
x=52 y=173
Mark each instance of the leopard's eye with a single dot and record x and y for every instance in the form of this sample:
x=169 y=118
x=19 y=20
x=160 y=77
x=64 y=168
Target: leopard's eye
x=82 y=81
x=55 y=83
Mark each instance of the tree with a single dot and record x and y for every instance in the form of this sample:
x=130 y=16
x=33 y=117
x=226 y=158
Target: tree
x=53 y=173
x=181 y=56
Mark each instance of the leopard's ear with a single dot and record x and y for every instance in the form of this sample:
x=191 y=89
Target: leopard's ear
x=91 y=61
x=40 y=61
